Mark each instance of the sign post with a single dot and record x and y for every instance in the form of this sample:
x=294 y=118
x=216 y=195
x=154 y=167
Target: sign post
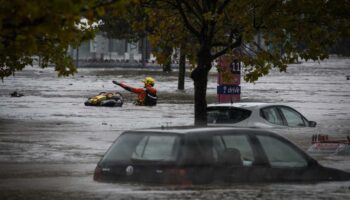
x=229 y=79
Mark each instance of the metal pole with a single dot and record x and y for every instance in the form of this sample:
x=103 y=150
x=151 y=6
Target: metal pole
x=77 y=58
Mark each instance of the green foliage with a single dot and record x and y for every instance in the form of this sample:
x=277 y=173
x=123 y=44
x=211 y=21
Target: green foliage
x=165 y=35
x=124 y=22
x=36 y=29
x=289 y=30
x=139 y=19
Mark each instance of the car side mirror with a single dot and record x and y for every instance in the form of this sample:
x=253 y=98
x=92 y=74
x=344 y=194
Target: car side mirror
x=312 y=123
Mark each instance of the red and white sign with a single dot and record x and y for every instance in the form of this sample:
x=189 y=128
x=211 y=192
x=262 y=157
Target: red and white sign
x=229 y=76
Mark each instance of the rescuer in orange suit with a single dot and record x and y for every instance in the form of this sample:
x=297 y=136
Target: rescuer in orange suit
x=146 y=96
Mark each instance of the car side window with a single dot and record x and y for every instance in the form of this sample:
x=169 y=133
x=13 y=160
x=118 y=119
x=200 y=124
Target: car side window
x=157 y=148
x=271 y=115
x=292 y=117
x=198 y=150
x=231 y=145
x=227 y=115
x=281 y=154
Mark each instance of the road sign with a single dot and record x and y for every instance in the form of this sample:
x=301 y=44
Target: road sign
x=229 y=72
x=229 y=98
x=229 y=89
x=235 y=67
x=229 y=79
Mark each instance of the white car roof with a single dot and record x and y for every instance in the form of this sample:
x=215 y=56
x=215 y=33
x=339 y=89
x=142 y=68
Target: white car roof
x=244 y=104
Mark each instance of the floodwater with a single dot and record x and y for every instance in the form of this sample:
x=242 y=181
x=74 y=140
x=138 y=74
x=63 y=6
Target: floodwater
x=50 y=142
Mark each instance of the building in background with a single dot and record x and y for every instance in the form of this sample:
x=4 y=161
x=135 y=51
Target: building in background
x=105 y=50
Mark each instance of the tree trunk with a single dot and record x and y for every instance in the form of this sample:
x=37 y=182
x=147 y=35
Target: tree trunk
x=143 y=52
x=200 y=79
x=182 y=70
x=167 y=65
x=77 y=58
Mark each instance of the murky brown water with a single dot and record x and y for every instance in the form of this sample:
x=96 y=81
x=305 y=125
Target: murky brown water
x=50 y=142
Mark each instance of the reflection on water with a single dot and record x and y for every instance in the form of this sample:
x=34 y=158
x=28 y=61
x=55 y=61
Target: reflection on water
x=85 y=188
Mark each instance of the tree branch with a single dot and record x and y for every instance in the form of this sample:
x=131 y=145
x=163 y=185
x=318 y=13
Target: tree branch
x=195 y=13
x=186 y=21
x=237 y=43
x=222 y=6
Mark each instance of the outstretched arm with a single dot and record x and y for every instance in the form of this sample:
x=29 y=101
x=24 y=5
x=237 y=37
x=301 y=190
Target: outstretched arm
x=128 y=88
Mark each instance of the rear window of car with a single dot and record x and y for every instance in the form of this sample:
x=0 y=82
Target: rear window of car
x=225 y=115
x=143 y=147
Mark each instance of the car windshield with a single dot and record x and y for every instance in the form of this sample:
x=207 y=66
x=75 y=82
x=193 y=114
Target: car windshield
x=143 y=147
x=223 y=115
x=292 y=117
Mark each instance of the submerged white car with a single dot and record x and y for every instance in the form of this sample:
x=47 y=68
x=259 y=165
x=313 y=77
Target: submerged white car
x=257 y=115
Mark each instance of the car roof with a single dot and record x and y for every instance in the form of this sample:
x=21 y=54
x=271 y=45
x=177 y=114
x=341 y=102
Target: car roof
x=211 y=130
x=245 y=104
x=201 y=130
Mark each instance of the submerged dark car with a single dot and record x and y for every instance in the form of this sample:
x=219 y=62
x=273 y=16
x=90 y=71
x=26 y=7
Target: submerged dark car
x=209 y=155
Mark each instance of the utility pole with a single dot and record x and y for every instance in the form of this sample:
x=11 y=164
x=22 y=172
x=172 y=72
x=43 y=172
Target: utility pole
x=77 y=58
x=143 y=52
x=182 y=70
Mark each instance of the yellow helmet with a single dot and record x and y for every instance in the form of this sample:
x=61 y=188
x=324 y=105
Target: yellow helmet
x=149 y=81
